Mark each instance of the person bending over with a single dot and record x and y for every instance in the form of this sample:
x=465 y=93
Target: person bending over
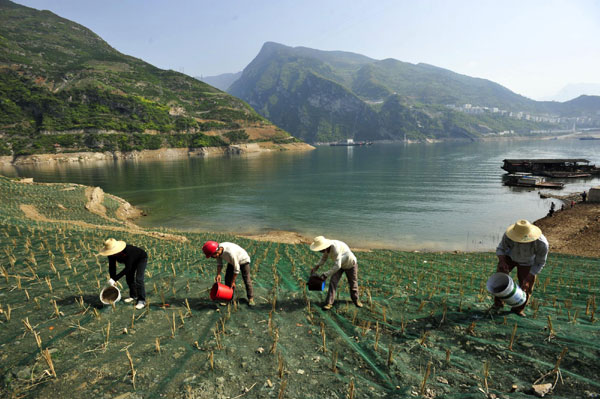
x=344 y=261
x=135 y=260
x=237 y=260
x=522 y=246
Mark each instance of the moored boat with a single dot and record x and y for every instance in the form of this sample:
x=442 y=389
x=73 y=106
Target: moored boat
x=525 y=180
x=562 y=167
x=351 y=143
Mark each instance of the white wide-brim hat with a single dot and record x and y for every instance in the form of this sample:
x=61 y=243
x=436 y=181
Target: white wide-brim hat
x=523 y=232
x=112 y=246
x=320 y=243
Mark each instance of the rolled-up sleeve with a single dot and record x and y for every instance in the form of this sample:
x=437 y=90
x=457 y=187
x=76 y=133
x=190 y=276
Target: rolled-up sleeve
x=236 y=266
x=541 y=254
x=503 y=247
x=323 y=259
x=337 y=265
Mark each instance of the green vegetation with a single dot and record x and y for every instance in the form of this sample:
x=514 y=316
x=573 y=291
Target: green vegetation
x=62 y=84
x=332 y=95
x=237 y=136
x=423 y=311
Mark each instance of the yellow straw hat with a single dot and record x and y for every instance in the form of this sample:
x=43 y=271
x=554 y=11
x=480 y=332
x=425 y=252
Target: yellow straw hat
x=112 y=246
x=320 y=243
x=523 y=232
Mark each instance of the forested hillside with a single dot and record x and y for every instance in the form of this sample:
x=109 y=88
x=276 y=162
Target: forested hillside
x=63 y=88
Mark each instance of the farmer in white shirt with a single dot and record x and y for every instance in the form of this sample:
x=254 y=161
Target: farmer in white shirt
x=344 y=261
x=237 y=260
x=522 y=246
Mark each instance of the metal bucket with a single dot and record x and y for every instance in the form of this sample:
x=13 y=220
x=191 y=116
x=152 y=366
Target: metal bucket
x=315 y=283
x=502 y=286
x=110 y=295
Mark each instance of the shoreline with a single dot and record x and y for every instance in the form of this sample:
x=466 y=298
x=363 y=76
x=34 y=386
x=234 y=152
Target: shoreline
x=294 y=237
x=160 y=154
x=571 y=231
x=237 y=149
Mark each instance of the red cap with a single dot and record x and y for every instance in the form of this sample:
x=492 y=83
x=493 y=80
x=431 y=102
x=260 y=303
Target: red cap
x=209 y=248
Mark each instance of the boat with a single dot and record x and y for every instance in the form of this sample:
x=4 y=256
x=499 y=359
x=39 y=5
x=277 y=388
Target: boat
x=589 y=138
x=567 y=175
x=560 y=167
x=350 y=143
x=525 y=180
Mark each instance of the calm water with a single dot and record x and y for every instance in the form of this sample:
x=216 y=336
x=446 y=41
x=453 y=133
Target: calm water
x=420 y=196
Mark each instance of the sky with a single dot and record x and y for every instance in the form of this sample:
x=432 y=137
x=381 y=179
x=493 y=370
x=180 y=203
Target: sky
x=533 y=47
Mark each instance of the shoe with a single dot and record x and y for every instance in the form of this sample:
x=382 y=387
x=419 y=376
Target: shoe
x=251 y=302
x=328 y=306
x=140 y=305
x=358 y=304
x=128 y=300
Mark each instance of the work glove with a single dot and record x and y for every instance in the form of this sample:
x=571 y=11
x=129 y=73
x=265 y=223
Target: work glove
x=111 y=282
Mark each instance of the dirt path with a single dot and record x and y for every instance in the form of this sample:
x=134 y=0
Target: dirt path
x=31 y=212
x=285 y=237
x=125 y=212
x=574 y=231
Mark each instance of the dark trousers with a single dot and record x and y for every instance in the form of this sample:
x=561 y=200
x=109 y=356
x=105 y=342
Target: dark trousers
x=245 y=269
x=352 y=275
x=135 y=280
x=522 y=272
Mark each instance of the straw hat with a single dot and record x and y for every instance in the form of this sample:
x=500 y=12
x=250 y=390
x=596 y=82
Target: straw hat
x=320 y=243
x=112 y=246
x=523 y=231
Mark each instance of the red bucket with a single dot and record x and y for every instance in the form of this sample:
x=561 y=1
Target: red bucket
x=221 y=292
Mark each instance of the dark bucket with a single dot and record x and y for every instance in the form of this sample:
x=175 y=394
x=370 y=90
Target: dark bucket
x=221 y=292
x=315 y=283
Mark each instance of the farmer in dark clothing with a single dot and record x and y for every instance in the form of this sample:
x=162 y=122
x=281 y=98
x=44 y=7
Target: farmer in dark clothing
x=135 y=260
x=552 y=208
x=584 y=196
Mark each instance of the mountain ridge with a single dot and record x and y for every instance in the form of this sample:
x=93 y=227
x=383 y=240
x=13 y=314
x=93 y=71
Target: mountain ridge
x=432 y=99
x=64 y=89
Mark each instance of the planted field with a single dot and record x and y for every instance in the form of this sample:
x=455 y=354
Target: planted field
x=424 y=330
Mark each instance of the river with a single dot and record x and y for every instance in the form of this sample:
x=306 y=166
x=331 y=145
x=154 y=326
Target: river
x=443 y=196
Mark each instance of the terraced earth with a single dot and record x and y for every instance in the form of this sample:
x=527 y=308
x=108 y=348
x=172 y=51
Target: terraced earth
x=424 y=331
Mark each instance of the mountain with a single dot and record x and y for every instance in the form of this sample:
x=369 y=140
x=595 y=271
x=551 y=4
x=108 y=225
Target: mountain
x=62 y=88
x=221 y=82
x=330 y=95
x=574 y=90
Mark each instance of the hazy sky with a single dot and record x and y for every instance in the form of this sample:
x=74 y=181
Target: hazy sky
x=533 y=47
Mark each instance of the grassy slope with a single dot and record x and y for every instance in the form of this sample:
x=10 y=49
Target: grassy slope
x=418 y=306
x=57 y=76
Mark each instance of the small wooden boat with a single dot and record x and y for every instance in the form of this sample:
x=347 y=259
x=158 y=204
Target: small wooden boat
x=522 y=180
x=567 y=175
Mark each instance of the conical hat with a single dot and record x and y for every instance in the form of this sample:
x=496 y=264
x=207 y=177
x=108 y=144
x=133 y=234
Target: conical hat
x=112 y=246
x=523 y=231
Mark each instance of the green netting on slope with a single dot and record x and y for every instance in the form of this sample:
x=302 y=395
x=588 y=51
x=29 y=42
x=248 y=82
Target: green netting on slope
x=421 y=307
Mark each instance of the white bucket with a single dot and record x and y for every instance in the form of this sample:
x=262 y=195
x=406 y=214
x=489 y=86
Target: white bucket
x=502 y=286
x=107 y=295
